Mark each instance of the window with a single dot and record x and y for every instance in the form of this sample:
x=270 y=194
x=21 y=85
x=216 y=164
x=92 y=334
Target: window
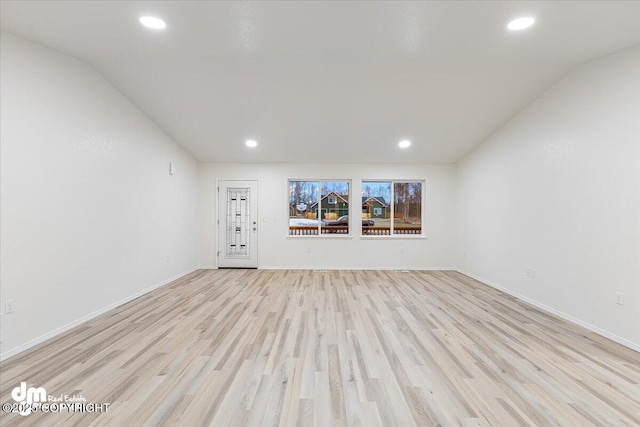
x=407 y=208
x=391 y=208
x=318 y=207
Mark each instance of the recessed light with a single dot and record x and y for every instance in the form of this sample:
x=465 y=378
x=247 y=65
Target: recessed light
x=251 y=143
x=152 y=22
x=521 y=23
x=404 y=143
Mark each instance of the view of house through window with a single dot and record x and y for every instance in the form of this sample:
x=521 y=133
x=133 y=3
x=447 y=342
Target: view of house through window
x=318 y=207
x=386 y=212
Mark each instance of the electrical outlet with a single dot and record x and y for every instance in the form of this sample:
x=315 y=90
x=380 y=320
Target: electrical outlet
x=619 y=298
x=8 y=306
x=528 y=272
x=533 y=273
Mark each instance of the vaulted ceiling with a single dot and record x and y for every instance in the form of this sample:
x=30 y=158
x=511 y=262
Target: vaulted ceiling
x=329 y=81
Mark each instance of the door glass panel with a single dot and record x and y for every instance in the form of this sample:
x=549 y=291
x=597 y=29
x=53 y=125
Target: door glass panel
x=237 y=241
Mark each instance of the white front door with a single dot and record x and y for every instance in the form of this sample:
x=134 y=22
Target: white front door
x=238 y=224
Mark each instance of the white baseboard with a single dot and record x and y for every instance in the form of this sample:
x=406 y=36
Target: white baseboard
x=83 y=319
x=356 y=268
x=558 y=313
x=315 y=267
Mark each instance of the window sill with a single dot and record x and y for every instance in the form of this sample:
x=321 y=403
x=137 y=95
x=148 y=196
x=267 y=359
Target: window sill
x=322 y=236
x=394 y=237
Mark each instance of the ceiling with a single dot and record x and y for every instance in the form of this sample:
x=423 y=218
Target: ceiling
x=338 y=82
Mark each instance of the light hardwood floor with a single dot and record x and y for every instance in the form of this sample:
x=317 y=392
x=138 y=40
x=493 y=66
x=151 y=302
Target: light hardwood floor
x=296 y=348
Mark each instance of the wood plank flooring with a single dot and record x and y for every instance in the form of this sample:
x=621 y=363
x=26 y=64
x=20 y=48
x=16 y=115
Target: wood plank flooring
x=356 y=348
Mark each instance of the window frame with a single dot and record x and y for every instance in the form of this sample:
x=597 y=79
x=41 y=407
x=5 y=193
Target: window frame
x=320 y=235
x=423 y=210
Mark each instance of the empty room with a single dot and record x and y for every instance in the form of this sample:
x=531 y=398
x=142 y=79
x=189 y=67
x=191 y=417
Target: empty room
x=320 y=213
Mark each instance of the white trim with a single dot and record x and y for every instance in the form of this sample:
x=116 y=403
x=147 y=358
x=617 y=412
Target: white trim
x=394 y=237
x=555 y=312
x=320 y=236
x=68 y=326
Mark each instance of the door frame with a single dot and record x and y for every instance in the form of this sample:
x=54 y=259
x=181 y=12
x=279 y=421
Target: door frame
x=220 y=225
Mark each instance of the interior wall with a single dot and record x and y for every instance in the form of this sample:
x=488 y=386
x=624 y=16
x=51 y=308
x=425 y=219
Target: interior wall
x=90 y=215
x=278 y=250
x=557 y=190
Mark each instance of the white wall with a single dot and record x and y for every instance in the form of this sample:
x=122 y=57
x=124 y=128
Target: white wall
x=277 y=250
x=90 y=215
x=558 y=190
